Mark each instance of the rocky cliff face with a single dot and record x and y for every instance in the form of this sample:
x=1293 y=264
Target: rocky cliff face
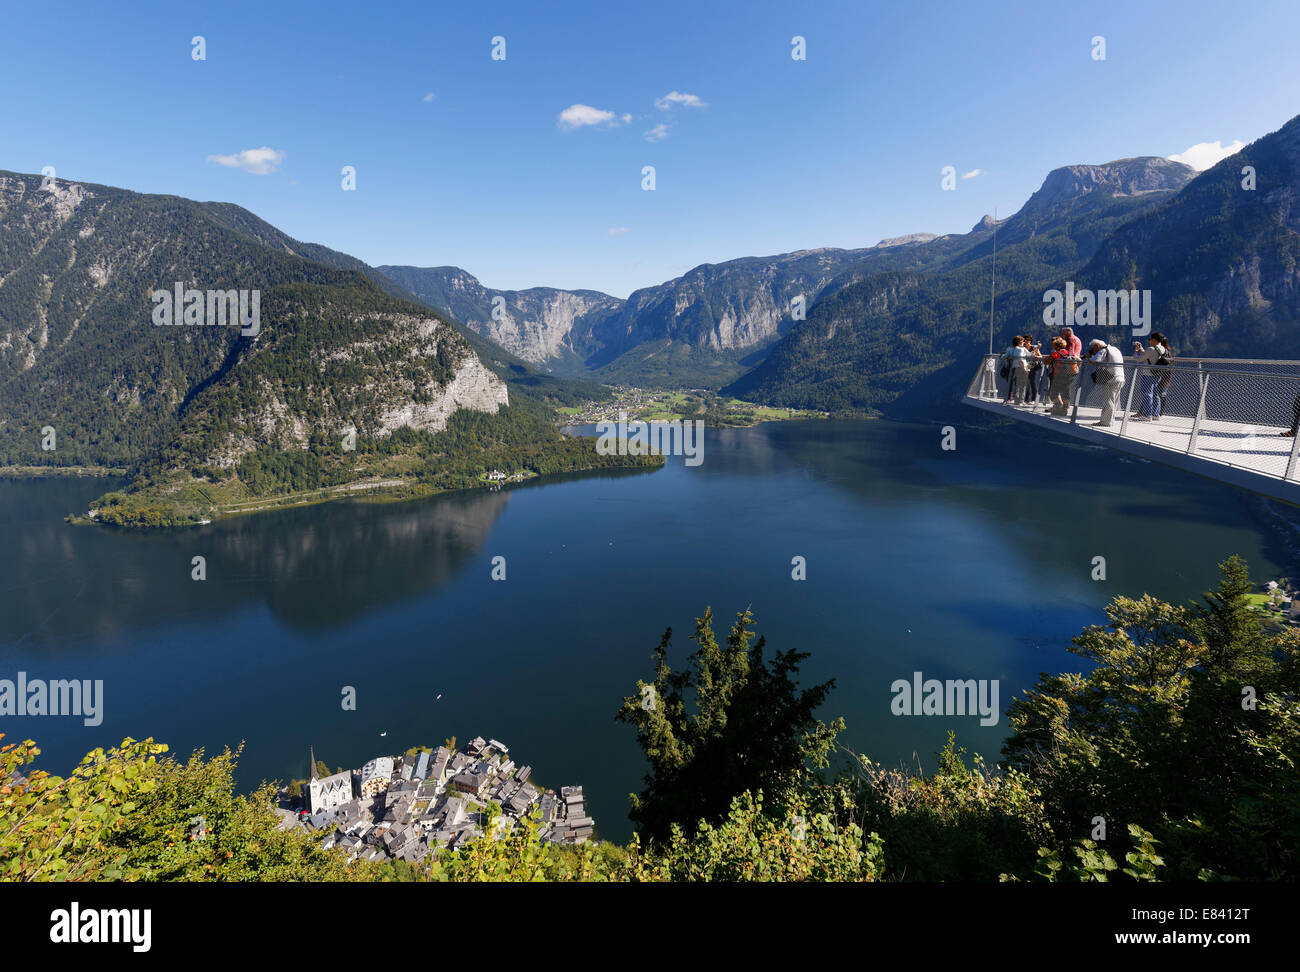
x=390 y=370
x=1125 y=177
x=538 y=326
x=731 y=306
x=427 y=408
x=542 y=325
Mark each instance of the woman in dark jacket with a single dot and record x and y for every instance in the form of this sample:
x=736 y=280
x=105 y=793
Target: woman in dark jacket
x=1035 y=369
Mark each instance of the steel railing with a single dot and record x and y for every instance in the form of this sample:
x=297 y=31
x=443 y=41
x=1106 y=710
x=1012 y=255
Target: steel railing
x=1235 y=411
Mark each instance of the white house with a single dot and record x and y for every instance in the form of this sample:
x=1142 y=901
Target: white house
x=376 y=775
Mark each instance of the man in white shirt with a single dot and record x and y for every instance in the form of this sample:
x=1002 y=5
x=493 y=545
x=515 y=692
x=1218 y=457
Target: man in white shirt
x=1109 y=376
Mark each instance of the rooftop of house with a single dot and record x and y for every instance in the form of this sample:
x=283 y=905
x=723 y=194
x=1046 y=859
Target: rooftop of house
x=438 y=799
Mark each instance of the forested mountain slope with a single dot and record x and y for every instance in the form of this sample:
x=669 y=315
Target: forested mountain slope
x=1222 y=261
x=90 y=375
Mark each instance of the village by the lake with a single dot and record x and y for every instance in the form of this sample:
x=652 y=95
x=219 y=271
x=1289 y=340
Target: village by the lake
x=409 y=807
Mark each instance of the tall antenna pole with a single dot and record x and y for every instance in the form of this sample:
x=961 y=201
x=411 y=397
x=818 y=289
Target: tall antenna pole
x=993 y=278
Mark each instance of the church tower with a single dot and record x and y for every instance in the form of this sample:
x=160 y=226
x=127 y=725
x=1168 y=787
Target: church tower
x=326 y=793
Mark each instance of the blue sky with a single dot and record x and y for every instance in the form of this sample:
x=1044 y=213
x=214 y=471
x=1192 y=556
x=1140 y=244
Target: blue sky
x=841 y=149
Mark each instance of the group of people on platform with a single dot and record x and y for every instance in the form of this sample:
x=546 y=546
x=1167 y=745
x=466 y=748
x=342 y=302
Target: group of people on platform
x=1032 y=376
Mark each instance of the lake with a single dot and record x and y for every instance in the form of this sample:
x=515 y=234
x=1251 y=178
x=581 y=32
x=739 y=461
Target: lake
x=975 y=563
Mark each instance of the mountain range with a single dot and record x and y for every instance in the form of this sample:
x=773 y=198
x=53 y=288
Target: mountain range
x=718 y=321
x=1219 y=259
x=702 y=328
x=434 y=372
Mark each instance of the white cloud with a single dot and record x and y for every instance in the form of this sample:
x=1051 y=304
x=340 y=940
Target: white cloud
x=259 y=161
x=656 y=133
x=616 y=230
x=1204 y=155
x=679 y=98
x=972 y=173
x=429 y=97
x=578 y=116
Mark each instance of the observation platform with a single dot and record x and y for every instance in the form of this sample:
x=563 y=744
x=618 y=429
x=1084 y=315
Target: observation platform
x=1220 y=418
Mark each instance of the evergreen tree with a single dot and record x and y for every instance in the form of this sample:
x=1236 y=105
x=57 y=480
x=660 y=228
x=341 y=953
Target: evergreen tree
x=747 y=727
x=1235 y=644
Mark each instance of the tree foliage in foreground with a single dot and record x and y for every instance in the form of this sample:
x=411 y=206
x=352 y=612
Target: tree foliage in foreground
x=1188 y=725
x=730 y=722
x=125 y=814
x=961 y=823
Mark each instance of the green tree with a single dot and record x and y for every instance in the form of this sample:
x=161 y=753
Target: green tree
x=123 y=814
x=1186 y=726
x=751 y=844
x=60 y=829
x=747 y=727
x=1234 y=639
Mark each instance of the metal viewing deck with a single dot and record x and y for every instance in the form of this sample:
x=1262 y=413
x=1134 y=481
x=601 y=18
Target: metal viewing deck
x=1222 y=418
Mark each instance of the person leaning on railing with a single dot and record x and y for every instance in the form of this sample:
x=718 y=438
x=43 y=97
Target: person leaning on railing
x=1109 y=377
x=1062 y=370
x=1073 y=348
x=1016 y=368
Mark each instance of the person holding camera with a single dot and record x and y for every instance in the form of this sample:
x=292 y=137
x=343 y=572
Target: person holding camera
x=1108 y=374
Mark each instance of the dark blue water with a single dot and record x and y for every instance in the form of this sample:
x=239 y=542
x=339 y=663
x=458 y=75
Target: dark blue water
x=969 y=564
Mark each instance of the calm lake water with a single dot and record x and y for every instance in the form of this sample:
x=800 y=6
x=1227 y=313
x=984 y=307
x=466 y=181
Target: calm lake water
x=968 y=564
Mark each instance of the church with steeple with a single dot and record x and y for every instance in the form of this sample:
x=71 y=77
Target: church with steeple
x=328 y=792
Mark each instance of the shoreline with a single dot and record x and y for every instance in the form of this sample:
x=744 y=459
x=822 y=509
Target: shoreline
x=384 y=491
x=669 y=405
x=61 y=472
x=566 y=423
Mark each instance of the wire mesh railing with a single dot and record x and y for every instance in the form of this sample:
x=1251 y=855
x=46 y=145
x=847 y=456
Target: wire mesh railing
x=1241 y=412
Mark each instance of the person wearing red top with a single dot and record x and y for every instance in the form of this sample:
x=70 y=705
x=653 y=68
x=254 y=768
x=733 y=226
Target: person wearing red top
x=1058 y=364
x=1073 y=349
